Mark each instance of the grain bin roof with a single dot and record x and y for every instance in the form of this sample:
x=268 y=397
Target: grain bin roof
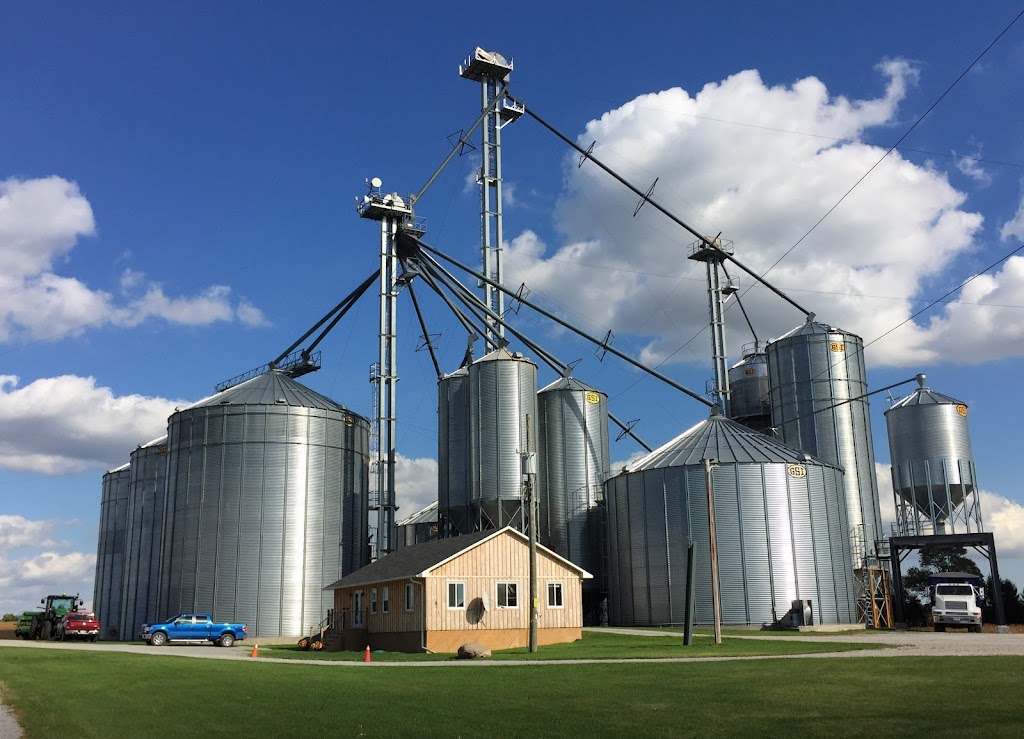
x=567 y=383
x=272 y=388
x=427 y=515
x=925 y=396
x=724 y=441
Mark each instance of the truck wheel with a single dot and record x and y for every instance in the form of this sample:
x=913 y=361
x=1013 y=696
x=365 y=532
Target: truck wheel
x=227 y=640
x=158 y=639
x=940 y=627
x=47 y=631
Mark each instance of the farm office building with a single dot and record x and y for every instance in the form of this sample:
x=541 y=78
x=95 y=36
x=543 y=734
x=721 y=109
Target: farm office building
x=441 y=594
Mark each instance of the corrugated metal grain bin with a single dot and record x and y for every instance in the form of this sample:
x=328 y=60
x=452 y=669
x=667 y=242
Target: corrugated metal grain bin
x=418 y=528
x=110 y=552
x=749 y=396
x=815 y=372
x=573 y=463
x=147 y=486
x=933 y=472
x=266 y=505
x=453 y=453
x=502 y=404
x=781 y=531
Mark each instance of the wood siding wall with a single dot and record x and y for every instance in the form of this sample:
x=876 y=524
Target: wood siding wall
x=504 y=558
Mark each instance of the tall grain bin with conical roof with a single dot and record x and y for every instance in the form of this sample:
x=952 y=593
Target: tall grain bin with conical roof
x=503 y=418
x=781 y=531
x=818 y=388
x=110 y=552
x=146 y=487
x=933 y=474
x=266 y=505
x=453 y=454
x=573 y=463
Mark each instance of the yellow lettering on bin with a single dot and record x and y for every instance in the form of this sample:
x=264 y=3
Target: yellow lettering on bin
x=593 y=398
x=837 y=346
x=797 y=470
x=962 y=410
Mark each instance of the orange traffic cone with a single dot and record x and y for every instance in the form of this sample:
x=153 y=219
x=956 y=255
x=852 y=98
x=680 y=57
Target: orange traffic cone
x=366 y=654
x=255 y=651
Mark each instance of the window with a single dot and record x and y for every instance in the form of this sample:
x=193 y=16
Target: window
x=456 y=595
x=507 y=595
x=555 y=595
x=410 y=596
x=373 y=600
x=357 y=609
x=384 y=597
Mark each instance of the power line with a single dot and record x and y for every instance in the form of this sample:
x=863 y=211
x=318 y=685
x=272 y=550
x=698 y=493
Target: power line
x=893 y=147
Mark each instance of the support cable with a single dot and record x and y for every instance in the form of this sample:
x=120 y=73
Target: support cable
x=423 y=326
x=458 y=146
x=468 y=298
x=551 y=316
x=343 y=307
x=646 y=198
x=743 y=310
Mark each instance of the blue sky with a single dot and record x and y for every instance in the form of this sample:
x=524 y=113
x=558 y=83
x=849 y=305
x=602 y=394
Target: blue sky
x=176 y=207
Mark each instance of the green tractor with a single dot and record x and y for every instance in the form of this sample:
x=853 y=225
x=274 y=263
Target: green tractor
x=24 y=626
x=55 y=607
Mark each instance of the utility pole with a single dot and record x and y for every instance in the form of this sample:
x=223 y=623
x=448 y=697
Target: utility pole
x=716 y=591
x=529 y=469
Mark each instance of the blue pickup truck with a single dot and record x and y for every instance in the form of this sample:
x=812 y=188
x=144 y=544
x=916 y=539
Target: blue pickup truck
x=193 y=627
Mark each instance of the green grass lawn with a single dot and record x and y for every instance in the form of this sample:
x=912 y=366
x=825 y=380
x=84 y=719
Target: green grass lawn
x=595 y=645
x=106 y=694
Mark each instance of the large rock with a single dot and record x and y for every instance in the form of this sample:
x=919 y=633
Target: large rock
x=472 y=650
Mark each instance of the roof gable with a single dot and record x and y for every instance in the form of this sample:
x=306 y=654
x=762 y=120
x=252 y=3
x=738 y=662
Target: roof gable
x=419 y=560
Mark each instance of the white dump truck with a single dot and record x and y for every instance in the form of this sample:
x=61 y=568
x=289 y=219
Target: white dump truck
x=957 y=598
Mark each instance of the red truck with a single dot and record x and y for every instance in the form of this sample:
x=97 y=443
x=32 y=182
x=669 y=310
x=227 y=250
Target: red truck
x=78 y=625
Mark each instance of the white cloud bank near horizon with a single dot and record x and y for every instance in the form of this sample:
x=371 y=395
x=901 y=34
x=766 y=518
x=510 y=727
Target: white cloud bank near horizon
x=898 y=233
x=41 y=222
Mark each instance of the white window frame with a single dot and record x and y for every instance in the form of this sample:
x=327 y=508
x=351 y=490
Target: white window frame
x=410 y=596
x=384 y=599
x=556 y=587
x=373 y=601
x=497 y=594
x=357 y=609
x=460 y=587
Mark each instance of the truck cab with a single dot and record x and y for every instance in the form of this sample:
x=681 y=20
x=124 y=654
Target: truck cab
x=956 y=600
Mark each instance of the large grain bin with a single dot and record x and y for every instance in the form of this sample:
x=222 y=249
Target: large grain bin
x=933 y=474
x=453 y=453
x=502 y=406
x=818 y=385
x=573 y=463
x=110 y=552
x=781 y=531
x=146 y=488
x=266 y=505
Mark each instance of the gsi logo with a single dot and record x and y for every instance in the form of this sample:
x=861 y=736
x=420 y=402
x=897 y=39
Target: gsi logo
x=797 y=470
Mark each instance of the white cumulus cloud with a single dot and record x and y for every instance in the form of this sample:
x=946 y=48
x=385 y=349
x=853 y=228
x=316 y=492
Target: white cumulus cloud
x=68 y=424
x=729 y=159
x=41 y=221
x=34 y=564
x=415 y=484
x=1014 y=228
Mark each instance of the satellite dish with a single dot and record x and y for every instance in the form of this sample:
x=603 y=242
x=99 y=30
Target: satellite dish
x=486 y=601
x=376 y=182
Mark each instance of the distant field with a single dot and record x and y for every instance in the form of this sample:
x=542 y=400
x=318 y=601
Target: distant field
x=117 y=694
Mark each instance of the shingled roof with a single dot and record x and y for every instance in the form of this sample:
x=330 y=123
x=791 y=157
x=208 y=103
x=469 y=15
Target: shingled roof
x=417 y=560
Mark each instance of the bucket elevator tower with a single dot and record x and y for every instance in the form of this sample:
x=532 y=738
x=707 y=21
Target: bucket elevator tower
x=713 y=253
x=492 y=71
x=390 y=210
